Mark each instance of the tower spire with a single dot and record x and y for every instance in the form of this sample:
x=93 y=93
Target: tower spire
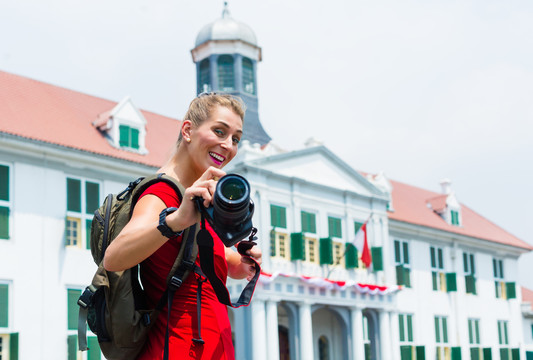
x=225 y=11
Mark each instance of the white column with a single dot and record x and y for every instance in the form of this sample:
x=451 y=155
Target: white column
x=259 y=346
x=358 y=348
x=395 y=335
x=272 y=330
x=306 y=331
x=384 y=335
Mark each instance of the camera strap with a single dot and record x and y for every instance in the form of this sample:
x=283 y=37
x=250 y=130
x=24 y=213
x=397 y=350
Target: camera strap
x=205 y=248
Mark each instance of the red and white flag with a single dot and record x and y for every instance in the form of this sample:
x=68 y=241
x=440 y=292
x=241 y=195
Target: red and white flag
x=361 y=243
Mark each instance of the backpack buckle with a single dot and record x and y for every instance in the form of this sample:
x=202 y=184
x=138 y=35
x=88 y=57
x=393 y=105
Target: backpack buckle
x=175 y=282
x=86 y=298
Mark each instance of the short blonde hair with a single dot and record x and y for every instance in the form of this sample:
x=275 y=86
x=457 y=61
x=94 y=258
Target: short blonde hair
x=202 y=106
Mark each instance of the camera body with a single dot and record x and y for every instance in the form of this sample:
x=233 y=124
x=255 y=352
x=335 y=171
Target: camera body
x=231 y=213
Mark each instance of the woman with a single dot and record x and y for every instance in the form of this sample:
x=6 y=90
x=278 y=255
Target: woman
x=208 y=140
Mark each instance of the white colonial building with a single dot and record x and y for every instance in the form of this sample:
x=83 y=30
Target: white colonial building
x=442 y=282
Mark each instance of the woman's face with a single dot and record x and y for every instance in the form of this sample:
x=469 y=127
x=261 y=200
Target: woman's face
x=215 y=141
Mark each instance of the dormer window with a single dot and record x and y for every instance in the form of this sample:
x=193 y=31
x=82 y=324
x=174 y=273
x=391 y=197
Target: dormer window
x=124 y=127
x=129 y=137
x=454 y=215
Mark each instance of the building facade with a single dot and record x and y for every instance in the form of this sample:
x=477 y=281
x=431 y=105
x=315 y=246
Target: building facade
x=441 y=282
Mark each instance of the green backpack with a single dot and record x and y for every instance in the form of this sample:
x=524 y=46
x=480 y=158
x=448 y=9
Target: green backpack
x=114 y=305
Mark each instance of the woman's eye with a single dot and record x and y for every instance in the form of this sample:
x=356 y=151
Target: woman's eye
x=236 y=140
x=219 y=132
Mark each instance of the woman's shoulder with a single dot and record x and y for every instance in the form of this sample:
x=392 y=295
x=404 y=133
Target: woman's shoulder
x=163 y=191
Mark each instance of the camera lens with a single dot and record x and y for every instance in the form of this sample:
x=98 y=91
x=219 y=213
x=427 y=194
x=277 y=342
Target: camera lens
x=233 y=189
x=231 y=200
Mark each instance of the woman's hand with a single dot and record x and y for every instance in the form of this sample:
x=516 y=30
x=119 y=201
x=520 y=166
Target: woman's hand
x=187 y=214
x=240 y=267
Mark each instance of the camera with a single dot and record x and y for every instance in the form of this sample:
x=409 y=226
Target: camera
x=230 y=215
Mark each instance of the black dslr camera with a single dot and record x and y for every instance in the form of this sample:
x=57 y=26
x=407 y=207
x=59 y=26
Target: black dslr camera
x=232 y=209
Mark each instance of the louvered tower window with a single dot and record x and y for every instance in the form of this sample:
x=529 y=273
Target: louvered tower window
x=248 y=76
x=226 y=77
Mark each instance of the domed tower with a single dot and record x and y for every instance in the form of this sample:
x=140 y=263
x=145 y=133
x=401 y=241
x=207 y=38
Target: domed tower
x=226 y=56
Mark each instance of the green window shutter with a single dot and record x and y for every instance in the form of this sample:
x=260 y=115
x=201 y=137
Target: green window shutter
x=409 y=319
x=433 y=257
x=456 y=353
x=397 y=255
x=73 y=309
x=494 y=268
x=405 y=253
x=377 y=258
x=406 y=352
x=94 y=348
x=14 y=346
x=278 y=216
x=124 y=135
x=475 y=353
x=402 y=327
x=400 y=274
x=434 y=280
x=4 y=305
x=334 y=225
x=504 y=354
x=529 y=355
x=451 y=282
x=470 y=331
x=72 y=342
x=4 y=183
x=515 y=354
x=487 y=354
x=351 y=256
x=4 y=222
x=134 y=138
x=297 y=246
x=308 y=222
x=445 y=330
x=73 y=195
x=272 y=242
x=437 y=330
x=407 y=276
x=470 y=282
x=420 y=353
x=88 y=224
x=510 y=287
x=92 y=197
x=326 y=251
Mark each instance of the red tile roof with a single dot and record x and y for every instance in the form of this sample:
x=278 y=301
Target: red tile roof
x=40 y=111
x=410 y=206
x=527 y=296
x=36 y=110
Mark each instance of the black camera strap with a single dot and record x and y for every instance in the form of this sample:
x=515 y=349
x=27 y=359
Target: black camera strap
x=205 y=247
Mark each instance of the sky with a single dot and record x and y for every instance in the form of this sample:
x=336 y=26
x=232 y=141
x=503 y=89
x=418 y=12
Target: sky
x=421 y=90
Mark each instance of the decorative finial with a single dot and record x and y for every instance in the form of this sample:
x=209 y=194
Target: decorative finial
x=225 y=11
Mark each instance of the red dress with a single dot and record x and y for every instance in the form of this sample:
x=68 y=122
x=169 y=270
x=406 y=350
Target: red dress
x=215 y=325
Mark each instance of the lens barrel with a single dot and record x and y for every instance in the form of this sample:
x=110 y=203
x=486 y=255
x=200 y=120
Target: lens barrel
x=231 y=200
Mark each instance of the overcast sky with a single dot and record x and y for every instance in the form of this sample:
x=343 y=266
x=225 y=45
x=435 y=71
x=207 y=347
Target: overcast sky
x=422 y=90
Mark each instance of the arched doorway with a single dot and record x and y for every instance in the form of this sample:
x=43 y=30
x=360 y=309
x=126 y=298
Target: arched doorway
x=330 y=337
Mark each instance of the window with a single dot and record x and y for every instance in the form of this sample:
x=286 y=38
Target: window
x=204 y=76
x=226 y=77
x=72 y=327
x=128 y=137
x=4 y=306
x=9 y=346
x=401 y=258
x=406 y=328
x=308 y=222
x=83 y=199
x=248 y=76
x=474 y=339
x=503 y=339
x=323 y=348
x=278 y=216
x=499 y=285
x=311 y=249
x=338 y=253
x=441 y=338
x=334 y=226
x=5 y=204
x=366 y=339
x=279 y=244
x=437 y=268
x=469 y=266
x=454 y=214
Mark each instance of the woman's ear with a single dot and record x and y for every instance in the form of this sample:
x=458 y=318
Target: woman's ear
x=186 y=128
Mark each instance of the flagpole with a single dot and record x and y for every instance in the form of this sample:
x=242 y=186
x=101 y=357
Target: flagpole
x=330 y=267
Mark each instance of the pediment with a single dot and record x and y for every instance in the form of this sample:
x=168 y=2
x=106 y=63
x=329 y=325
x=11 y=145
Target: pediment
x=125 y=112
x=318 y=165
